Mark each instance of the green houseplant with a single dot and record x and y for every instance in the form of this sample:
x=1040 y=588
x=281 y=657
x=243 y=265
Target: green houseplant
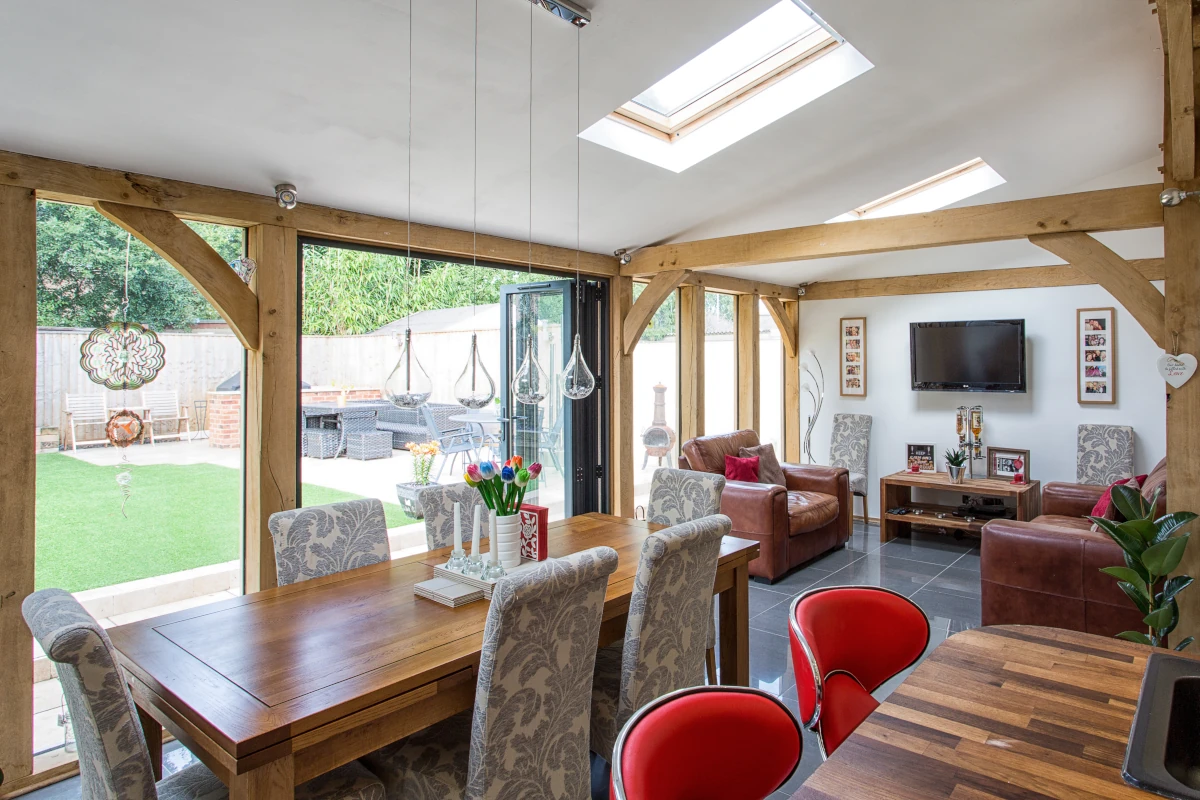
x=1153 y=549
x=956 y=460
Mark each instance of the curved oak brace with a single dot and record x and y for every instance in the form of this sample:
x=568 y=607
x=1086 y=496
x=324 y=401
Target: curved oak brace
x=184 y=249
x=643 y=310
x=786 y=325
x=1120 y=278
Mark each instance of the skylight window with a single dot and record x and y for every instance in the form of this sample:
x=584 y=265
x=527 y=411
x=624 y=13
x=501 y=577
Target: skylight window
x=933 y=193
x=779 y=61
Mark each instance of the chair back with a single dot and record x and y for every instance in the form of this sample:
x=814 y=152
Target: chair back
x=161 y=404
x=113 y=758
x=1104 y=454
x=88 y=407
x=533 y=694
x=323 y=540
x=730 y=742
x=707 y=453
x=682 y=495
x=867 y=633
x=437 y=504
x=851 y=442
x=670 y=612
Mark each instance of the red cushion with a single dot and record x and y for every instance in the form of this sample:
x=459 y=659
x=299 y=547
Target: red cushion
x=844 y=707
x=1104 y=507
x=741 y=469
x=711 y=745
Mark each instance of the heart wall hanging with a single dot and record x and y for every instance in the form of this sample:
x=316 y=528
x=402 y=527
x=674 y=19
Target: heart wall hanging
x=1177 y=370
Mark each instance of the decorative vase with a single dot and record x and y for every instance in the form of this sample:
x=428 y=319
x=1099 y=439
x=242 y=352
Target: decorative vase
x=956 y=473
x=508 y=540
x=409 y=495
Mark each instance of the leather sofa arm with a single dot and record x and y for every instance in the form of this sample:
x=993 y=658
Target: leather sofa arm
x=755 y=507
x=814 y=478
x=1070 y=499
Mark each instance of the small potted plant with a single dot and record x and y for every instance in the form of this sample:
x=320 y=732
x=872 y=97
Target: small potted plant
x=956 y=461
x=409 y=494
x=503 y=490
x=1153 y=549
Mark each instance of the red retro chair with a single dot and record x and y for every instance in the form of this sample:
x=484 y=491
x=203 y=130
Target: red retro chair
x=846 y=642
x=706 y=743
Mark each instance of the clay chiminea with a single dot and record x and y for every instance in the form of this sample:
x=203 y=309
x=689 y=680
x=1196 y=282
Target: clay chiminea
x=659 y=438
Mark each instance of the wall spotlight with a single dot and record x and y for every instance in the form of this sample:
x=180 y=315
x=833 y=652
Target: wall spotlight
x=285 y=195
x=1173 y=197
x=623 y=256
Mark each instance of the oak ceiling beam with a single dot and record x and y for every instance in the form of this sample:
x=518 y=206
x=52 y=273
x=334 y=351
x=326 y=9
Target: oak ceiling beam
x=1126 y=208
x=729 y=284
x=1139 y=297
x=74 y=183
x=983 y=280
x=786 y=325
x=184 y=249
x=647 y=304
x=1177 y=32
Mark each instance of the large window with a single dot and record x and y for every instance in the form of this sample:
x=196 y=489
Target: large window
x=770 y=381
x=720 y=363
x=157 y=526
x=655 y=395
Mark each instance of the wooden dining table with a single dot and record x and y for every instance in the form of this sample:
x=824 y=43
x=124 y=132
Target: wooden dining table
x=277 y=687
x=999 y=712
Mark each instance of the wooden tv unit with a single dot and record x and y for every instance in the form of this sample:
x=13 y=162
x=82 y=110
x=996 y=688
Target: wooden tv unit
x=895 y=490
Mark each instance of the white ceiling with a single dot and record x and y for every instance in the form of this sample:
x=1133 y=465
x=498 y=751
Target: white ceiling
x=1057 y=95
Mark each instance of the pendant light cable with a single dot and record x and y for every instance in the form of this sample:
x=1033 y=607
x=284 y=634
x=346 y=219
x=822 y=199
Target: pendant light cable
x=578 y=170
x=530 y=255
x=475 y=172
x=408 y=213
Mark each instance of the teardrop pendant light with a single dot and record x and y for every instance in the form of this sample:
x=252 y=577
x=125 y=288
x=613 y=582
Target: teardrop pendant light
x=577 y=380
x=475 y=388
x=409 y=385
x=529 y=385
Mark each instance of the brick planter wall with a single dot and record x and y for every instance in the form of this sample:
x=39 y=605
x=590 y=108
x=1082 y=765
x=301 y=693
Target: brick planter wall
x=225 y=410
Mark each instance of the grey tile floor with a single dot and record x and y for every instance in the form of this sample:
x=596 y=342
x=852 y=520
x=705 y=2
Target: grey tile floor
x=939 y=573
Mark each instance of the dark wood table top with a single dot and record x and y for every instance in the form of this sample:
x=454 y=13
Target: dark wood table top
x=997 y=712
x=251 y=672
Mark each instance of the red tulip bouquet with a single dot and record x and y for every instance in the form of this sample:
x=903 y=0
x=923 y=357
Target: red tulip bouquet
x=503 y=488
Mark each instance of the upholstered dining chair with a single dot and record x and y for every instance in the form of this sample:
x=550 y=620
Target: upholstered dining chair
x=322 y=540
x=113 y=758
x=527 y=736
x=851 y=442
x=1104 y=454
x=437 y=504
x=665 y=633
x=683 y=495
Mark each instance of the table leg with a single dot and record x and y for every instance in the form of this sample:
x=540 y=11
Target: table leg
x=154 y=740
x=271 y=781
x=734 y=630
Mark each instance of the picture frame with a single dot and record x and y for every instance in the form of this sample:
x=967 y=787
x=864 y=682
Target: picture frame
x=923 y=453
x=1096 y=356
x=1001 y=466
x=852 y=372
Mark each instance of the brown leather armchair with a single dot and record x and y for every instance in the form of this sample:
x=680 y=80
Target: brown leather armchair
x=1047 y=571
x=792 y=524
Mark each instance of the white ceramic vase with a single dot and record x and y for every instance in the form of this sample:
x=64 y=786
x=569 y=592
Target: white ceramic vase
x=508 y=540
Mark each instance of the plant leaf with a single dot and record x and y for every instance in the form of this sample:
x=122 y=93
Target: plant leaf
x=1169 y=523
x=1129 y=576
x=1129 y=502
x=1128 y=542
x=1173 y=621
x=1136 y=566
x=1134 y=636
x=1140 y=600
x=1144 y=529
x=1172 y=587
x=1185 y=643
x=1164 y=557
x=1158 y=618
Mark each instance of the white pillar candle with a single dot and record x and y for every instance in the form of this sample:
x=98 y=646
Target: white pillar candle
x=492 y=549
x=457 y=527
x=475 y=533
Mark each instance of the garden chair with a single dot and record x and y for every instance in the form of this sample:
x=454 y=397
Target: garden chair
x=453 y=441
x=86 y=410
x=163 y=406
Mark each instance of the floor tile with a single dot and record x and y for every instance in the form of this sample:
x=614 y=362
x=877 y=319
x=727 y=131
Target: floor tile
x=775 y=618
x=762 y=600
x=954 y=580
x=931 y=548
x=876 y=569
x=969 y=560
x=798 y=580
x=953 y=607
x=810 y=755
x=770 y=662
x=836 y=559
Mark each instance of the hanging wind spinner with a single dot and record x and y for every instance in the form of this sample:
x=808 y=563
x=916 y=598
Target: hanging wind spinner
x=123 y=429
x=122 y=355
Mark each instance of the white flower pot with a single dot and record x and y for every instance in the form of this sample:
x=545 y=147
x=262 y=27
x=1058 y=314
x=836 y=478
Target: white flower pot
x=508 y=540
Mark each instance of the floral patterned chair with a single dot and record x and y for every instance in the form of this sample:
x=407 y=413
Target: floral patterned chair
x=849 y=448
x=1104 y=455
x=528 y=734
x=664 y=643
x=437 y=504
x=683 y=495
x=113 y=758
x=323 y=540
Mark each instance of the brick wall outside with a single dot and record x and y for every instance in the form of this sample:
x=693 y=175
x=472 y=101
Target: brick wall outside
x=225 y=410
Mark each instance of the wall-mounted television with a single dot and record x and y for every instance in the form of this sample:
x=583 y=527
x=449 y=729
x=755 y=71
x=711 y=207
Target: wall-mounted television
x=973 y=356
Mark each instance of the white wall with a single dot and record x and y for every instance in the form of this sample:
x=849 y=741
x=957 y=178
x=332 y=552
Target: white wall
x=1043 y=420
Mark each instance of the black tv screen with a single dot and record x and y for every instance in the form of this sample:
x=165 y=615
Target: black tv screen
x=975 y=356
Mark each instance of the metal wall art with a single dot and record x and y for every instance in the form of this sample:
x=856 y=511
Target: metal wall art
x=122 y=355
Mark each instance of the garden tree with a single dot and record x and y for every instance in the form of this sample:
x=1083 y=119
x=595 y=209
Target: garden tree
x=81 y=272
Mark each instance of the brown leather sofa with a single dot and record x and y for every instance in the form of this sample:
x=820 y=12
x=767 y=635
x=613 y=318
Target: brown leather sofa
x=812 y=515
x=1047 y=571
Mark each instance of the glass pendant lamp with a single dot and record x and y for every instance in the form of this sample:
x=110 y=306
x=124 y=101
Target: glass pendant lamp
x=474 y=388
x=577 y=380
x=530 y=384
x=409 y=385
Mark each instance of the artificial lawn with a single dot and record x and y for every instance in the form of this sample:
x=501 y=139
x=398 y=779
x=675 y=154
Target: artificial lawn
x=179 y=517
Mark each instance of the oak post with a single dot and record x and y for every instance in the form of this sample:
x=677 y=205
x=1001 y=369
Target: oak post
x=748 y=400
x=691 y=362
x=620 y=393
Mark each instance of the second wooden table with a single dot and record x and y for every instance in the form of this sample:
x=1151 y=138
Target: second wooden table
x=895 y=490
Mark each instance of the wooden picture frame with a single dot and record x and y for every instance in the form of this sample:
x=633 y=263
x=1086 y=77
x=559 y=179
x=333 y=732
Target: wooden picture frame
x=1096 y=356
x=925 y=453
x=852 y=371
x=1000 y=468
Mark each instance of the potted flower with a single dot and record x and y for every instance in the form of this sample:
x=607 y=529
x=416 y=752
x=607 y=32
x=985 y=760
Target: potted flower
x=503 y=490
x=409 y=494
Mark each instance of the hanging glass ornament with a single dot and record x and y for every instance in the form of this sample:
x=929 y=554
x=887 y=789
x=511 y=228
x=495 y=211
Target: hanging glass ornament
x=530 y=384
x=577 y=380
x=409 y=385
x=244 y=267
x=123 y=428
x=475 y=388
x=122 y=355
